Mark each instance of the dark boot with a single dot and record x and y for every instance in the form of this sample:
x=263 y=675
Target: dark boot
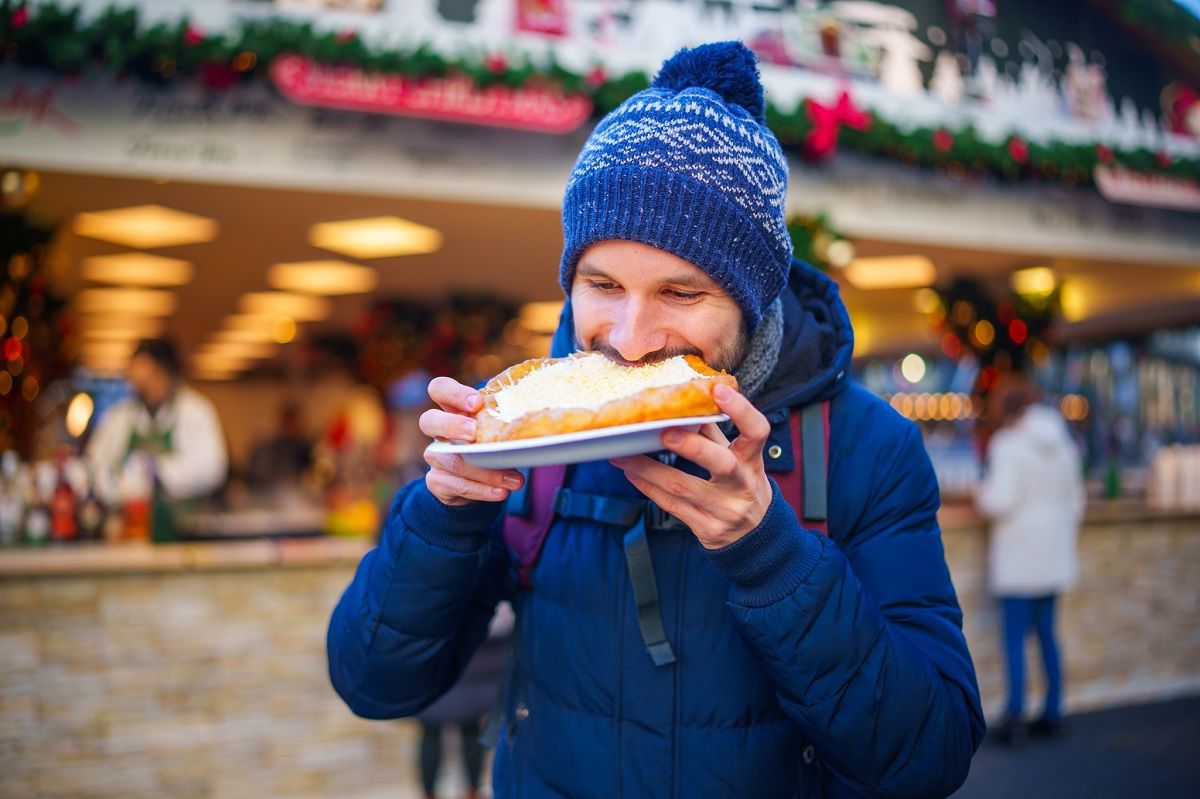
x=1050 y=729
x=1010 y=732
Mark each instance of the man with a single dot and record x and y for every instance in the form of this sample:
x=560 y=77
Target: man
x=794 y=664
x=174 y=425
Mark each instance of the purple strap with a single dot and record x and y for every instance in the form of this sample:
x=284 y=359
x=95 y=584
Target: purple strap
x=526 y=534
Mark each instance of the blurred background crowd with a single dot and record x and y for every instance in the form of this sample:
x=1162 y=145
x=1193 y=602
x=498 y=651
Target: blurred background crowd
x=238 y=238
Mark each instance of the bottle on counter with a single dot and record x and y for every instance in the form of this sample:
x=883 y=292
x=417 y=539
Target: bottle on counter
x=13 y=491
x=64 y=504
x=37 y=521
x=137 y=494
x=90 y=515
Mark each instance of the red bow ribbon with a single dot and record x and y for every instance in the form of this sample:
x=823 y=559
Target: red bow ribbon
x=827 y=121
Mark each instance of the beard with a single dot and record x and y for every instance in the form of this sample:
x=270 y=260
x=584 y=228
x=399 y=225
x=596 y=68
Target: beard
x=726 y=359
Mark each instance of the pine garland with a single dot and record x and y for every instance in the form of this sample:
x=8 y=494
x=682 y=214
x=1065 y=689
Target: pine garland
x=59 y=39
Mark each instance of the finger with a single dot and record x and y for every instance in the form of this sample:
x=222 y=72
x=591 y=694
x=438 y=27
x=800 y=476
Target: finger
x=667 y=478
x=456 y=464
x=713 y=432
x=703 y=451
x=444 y=426
x=753 y=427
x=452 y=488
x=452 y=395
x=683 y=510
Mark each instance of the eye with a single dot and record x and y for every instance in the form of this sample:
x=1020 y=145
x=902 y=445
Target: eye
x=683 y=296
x=603 y=286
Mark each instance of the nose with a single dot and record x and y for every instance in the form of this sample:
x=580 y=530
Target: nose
x=634 y=333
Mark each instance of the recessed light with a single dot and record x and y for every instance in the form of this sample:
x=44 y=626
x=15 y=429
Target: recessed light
x=300 y=307
x=322 y=277
x=235 y=350
x=126 y=302
x=146 y=226
x=137 y=269
x=541 y=317
x=1036 y=281
x=119 y=328
x=375 y=237
x=891 y=272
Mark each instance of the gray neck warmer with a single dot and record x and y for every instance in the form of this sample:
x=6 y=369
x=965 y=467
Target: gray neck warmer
x=763 y=353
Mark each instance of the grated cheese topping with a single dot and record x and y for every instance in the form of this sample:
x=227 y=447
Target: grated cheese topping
x=586 y=382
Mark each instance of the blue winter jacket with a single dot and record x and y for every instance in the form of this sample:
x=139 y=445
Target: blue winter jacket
x=806 y=666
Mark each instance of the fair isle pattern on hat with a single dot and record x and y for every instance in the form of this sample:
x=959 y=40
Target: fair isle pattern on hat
x=696 y=134
x=692 y=171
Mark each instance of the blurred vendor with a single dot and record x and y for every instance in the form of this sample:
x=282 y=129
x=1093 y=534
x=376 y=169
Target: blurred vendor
x=176 y=426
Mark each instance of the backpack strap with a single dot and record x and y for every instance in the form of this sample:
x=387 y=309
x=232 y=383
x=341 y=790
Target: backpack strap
x=806 y=486
x=530 y=512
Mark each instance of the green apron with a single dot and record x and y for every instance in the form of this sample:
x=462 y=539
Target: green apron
x=163 y=526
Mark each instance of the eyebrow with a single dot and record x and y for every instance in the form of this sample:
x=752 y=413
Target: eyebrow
x=682 y=279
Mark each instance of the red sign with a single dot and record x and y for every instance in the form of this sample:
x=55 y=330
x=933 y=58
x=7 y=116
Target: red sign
x=542 y=16
x=455 y=99
x=1137 y=188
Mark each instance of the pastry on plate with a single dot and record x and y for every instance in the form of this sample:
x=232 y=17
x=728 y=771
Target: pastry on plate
x=587 y=391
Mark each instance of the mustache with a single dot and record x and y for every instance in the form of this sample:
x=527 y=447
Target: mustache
x=648 y=359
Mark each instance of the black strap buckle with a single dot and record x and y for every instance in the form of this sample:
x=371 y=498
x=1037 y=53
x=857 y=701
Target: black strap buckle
x=659 y=520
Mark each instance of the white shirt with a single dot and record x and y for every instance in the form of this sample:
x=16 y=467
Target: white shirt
x=197 y=462
x=1034 y=494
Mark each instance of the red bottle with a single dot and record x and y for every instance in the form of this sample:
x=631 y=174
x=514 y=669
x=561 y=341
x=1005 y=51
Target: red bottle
x=63 y=526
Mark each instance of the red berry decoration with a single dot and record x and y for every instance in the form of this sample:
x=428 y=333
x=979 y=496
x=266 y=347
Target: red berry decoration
x=943 y=140
x=496 y=62
x=1163 y=158
x=192 y=36
x=1018 y=150
x=1104 y=153
x=19 y=19
x=597 y=76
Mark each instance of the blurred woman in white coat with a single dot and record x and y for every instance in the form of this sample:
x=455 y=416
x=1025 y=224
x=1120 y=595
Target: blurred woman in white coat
x=1033 y=493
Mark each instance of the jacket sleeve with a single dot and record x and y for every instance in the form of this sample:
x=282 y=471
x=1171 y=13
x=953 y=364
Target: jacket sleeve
x=419 y=604
x=865 y=645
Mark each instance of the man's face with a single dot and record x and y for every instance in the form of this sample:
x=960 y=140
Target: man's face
x=637 y=304
x=149 y=381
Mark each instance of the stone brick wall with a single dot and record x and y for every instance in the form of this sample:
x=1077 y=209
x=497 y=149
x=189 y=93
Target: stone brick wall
x=207 y=684
x=1128 y=632
x=212 y=683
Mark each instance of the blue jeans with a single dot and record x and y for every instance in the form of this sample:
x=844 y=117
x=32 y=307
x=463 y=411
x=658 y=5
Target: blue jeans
x=1019 y=613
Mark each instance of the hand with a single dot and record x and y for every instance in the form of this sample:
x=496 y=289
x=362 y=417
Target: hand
x=735 y=499
x=450 y=478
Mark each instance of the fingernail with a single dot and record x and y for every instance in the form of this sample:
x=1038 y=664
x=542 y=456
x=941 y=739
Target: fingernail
x=498 y=492
x=512 y=481
x=722 y=392
x=470 y=428
x=472 y=399
x=673 y=437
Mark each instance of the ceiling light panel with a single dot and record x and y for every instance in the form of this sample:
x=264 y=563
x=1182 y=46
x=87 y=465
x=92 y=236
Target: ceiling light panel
x=137 y=269
x=126 y=302
x=146 y=226
x=375 y=237
x=300 y=307
x=119 y=328
x=891 y=272
x=322 y=277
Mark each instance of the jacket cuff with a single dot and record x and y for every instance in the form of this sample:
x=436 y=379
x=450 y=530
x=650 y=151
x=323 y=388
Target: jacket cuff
x=460 y=528
x=770 y=561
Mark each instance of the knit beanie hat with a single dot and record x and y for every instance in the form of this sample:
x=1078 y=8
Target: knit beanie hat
x=688 y=166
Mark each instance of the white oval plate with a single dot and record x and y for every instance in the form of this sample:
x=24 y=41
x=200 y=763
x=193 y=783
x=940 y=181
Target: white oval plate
x=586 y=445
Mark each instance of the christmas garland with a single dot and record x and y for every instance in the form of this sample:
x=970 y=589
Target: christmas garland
x=60 y=39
